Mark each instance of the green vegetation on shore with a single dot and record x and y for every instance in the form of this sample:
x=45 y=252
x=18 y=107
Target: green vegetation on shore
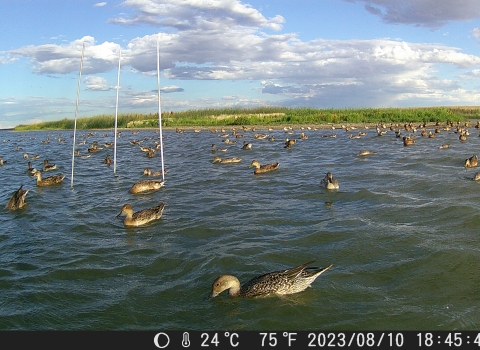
x=272 y=116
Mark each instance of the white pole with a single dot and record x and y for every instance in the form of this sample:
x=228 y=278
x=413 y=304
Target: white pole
x=116 y=116
x=159 y=105
x=76 y=111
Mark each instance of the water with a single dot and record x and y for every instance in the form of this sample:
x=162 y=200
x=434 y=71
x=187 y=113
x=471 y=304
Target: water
x=402 y=233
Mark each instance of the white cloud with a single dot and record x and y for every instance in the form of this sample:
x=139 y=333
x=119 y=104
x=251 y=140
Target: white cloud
x=99 y=4
x=171 y=88
x=194 y=14
x=476 y=33
x=62 y=59
x=424 y=13
x=97 y=83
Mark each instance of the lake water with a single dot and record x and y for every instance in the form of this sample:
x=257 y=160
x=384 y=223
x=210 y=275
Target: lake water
x=402 y=233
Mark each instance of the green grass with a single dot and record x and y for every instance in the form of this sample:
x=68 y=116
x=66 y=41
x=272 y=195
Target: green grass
x=272 y=116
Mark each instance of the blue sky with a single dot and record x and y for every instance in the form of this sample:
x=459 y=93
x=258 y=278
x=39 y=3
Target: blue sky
x=230 y=53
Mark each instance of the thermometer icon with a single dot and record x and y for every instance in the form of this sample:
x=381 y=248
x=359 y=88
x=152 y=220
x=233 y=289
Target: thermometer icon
x=185 y=340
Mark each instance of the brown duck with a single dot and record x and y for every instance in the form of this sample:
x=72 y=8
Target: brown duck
x=282 y=282
x=263 y=168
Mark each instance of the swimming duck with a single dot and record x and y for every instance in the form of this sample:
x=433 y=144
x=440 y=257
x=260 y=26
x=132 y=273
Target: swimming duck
x=215 y=149
x=329 y=182
x=283 y=282
x=471 y=162
x=107 y=160
x=48 y=181
x=226 y=160
x=289 y=143
x=445 y=145
x=31 y=170
x=260 y=136
x=148 y=172
x=2 y=162
x=476 y=177
x=146 y=186
x=17 y=201
x=47 y=166
x=246 y=145
x=263 y=168
x=365 y=152
x=141 y=217
x=408 y=140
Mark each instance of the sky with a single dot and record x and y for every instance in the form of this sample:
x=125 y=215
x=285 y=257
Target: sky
x=231 y=53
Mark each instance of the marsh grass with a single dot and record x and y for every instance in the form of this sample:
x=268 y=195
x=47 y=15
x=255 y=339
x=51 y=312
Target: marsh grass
x=274 y=116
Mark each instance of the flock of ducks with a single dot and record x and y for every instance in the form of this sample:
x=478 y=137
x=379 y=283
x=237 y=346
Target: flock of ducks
x=289 y=281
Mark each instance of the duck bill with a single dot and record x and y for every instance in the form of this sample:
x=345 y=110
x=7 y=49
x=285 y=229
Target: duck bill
x=212 y=295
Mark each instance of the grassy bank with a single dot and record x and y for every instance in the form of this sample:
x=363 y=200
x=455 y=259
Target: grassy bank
x=274 y=116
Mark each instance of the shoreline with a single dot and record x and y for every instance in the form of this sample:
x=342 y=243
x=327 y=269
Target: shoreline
x=309 y=127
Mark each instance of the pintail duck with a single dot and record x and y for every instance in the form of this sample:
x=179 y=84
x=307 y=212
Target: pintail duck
x=289 y=143
x=246 y=145
x=48 y=181
x=365 y=152
x=471 y=162
x=31 y=170
x=141 y=217
x=263 y=168
x=107 y=160
x=148 y=172
x=17 y=201
x=146 y=186
x=329 y=182
x=226 y=160
x=215 y=149
x=83 y=156
x=48 y=166
x=290 y=281
x=408 y=140
x=445 y=145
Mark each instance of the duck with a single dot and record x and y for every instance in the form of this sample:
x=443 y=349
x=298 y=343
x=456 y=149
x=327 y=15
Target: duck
x=329 y=182
x=215 y=149
x=408 y=141
x=445 y=145
x=83 y=156
x=227 y=160
x=283 y=282
x=365 y=152
x=17 y=201
x=476 y=177
x=107 y=160
x=2 y=162
x=141 y=217
x=260 y=136
x=149 y=172
x=246 y=145
x=471 y=162
x=289 y=143
x=263 y=168
x=146 y=186
x=48 y=181
x=48 y=166
x=31 y=170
